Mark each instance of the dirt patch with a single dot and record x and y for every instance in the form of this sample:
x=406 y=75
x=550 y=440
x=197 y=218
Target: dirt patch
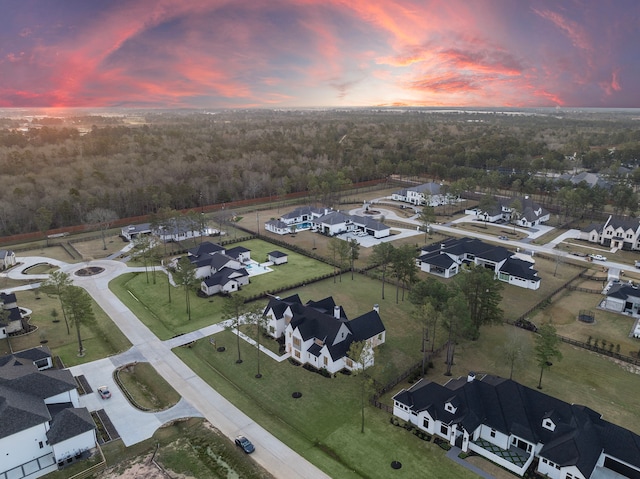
x=138 y=468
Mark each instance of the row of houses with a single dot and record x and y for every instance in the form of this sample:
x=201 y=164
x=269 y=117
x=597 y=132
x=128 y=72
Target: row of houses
x=327 y=222
x=517 y=427
x=615 y=233
x=319 y=333
x=448 y=258
x=42 y=426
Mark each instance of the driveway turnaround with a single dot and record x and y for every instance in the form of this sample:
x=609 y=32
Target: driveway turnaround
x=199 y=399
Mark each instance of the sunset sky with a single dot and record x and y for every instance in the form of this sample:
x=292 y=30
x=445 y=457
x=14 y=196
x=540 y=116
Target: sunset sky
x=305 y=53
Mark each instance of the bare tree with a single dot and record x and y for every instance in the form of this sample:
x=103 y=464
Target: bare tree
x=103 y=218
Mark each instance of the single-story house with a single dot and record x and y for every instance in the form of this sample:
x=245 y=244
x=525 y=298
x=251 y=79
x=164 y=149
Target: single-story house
x=129 y=233
x=318 y=333
x=176 y=229
x=7 y=259
x=42 y=425
x=225 y=281
x=336 y=222
x=300 y=219
x=623 y=298
x=531 y=213
x=277 y=257
x=447 y=259
x=513 y=426
x=615 y=232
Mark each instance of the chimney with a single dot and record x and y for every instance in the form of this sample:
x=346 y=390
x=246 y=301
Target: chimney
x=471 y=376
x=336 y=312
x=376 y=308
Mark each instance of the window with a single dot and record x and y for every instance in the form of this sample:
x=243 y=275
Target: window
x=41 y=444
x=296 y=343
x=297 y=354
x=425 y=423
x=444 y=429
x=349 y=363
x=326 y=361
x=492 y=433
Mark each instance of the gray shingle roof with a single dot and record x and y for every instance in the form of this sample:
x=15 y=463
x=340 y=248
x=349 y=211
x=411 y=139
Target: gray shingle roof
x=70 y=423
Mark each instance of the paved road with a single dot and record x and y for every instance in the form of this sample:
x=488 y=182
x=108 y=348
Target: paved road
x=199 y=399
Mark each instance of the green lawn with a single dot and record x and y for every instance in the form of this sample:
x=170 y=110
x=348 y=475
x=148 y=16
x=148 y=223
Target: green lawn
x=148 y=389
x=324 y=424
x=100 y=340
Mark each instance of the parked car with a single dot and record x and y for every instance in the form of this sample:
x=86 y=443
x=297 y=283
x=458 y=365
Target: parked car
x=245 y=444
x=526 y=324
x=504 y=238
x=637 y=264
x=598 y=257
x=103 y=392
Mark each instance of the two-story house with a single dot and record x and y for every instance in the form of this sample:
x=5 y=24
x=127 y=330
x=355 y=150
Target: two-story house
x=614 y=233
x=431 y=194
x=42 y=426
x=319 y=333
x=513 y=425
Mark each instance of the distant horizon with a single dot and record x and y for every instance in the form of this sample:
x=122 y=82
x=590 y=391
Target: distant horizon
x=312 y=54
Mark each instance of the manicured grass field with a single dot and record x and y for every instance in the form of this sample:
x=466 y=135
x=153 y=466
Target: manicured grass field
x=147 y=388
x=324 y=424
x=100 y=340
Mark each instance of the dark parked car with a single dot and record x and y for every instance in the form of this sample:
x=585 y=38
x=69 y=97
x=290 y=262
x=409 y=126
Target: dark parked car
x=245 y=444
x=526 y=324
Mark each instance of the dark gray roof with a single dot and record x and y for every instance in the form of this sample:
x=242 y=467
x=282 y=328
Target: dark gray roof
x=366 y=326
x=280 y=305
x=369 y=223
x=438 y=259
x=225 y=275
x=624 y=223
x=623 y=291
x=520 y=269
x=511 y=408
x=333 y=218
x=20 y=411
x=206 y=248
x=70 y=423
x=426 y=188
x=278 y=224
x=277 y=254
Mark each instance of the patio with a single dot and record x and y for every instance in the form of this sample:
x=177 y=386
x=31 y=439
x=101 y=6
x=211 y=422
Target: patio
x=514 y=455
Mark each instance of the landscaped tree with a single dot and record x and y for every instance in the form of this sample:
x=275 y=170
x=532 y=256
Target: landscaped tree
x=141 y=248
x=382 y=255
x=404 y=268
x=233 y=310
x=516 y=212
x=56 y=285
x=342 y=250
x=361 y=353
x=487 y=205
x=426 y=216
x=547 y=347
x=427 y=316
x=515 y=350
x=255 y=315
x=77 y=303
x=103 y=218
x=457 y=321
x=185 y=275
x=482 y=294
x=354 y=253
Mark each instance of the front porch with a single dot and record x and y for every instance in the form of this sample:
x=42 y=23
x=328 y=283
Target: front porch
x=515 y=459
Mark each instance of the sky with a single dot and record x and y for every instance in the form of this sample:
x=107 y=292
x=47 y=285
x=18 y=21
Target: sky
x=319 y=53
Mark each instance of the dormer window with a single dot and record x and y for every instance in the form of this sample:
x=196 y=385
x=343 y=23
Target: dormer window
x=549 y=424
x=450 y=408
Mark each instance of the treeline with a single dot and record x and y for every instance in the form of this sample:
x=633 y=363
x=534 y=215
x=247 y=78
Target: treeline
x=180 y=160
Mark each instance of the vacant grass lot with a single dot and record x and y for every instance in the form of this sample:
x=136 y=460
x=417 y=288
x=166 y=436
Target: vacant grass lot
x=99 y=340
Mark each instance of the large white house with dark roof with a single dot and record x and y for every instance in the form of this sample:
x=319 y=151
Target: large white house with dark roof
x=515 y=427
x=427 y=193
x=319 y=333
x=614 y=233
x=41 y=424
x=531 y=213
x=448 y=258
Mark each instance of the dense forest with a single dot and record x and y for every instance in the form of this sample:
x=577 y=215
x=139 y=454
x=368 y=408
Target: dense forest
x=134 y=164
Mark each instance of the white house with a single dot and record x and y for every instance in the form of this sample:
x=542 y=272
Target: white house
x=448 y=258
x=614 y=233
x=319 y=333
x=13 y=322
x=623 y=298
x=41 y=423
x=336 y=222
x=175 y=230
x=7 y=259
x=511 y=425
x=431 y=194
x=530 y=213
x=300 y=219
x=277 y=257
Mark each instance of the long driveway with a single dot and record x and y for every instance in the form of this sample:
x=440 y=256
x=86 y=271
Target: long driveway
x=199 y=399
